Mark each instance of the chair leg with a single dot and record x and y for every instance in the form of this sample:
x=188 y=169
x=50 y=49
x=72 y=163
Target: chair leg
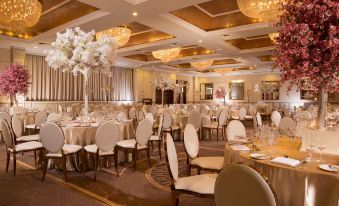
x=35 y=157
x=7 y=162
x=14 y=163
x=149 y=157
x=116 y=163
x=134 y=159
x=159 y=148
x=199 y=170
x=45 y=162
x=96 y=163
x=217 y=134
x=65 y=169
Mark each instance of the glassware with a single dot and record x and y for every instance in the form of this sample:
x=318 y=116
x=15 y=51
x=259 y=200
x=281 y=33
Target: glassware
x=321 y=145
x=310 y=144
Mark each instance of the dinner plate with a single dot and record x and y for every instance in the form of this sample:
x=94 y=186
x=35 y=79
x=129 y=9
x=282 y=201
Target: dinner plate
x=326 y=167
x=259 y=156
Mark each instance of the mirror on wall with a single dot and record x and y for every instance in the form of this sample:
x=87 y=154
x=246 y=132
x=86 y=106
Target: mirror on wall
x=237 y=90
x=206 y=91
x=270 y=90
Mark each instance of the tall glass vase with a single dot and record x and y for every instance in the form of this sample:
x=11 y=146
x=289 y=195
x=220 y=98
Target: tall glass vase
x=162 y=97
x=12 y=100
x=85 y=94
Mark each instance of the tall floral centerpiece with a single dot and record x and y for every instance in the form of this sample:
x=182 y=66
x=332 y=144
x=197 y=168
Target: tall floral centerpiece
x=307 y=47
x=163 y=83
x=220 y=93
x=79 y=52
x=14 y=80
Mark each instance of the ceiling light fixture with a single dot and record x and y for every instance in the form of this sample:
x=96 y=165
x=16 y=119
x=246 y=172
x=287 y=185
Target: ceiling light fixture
x=202 y=65
x=19 y=13
x=267 y=10
x=120 y=34
x=166 y=55
x=135 y=13
x=200 y=41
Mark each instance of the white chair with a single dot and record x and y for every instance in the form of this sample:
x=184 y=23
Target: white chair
x=158 y=137
x=106 y=138
x=275 y=118
x=235 y=129
x=191 y=143
x=167 y=126
x=150 y=117
x=141 y=141
x=18 y=130
x=140 y=115
x=53 y=139
x=40 y=118
x=220 y=124
x=122 y=117
x=12 y=148
x=287 y=126
x=195 y=119
x=53 y=117
x=197 y=185
x=240 y=185
x=242 y=113
x=132 y=113
x=259 y=120
x=6 y=116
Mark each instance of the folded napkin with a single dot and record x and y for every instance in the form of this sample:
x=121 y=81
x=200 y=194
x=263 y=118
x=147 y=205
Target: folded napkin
x=240 y=147
x=286 y=161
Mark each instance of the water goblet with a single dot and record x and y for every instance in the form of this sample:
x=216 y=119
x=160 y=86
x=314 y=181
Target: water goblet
x=321 y=145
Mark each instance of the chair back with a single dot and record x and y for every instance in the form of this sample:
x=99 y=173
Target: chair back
x=195 y=119
x=53 y=117
x=122 y=116
x=242 y=113
x=132 y=113
x=287 y=126
x=6 y=116
x=40 y=118
x=150 y=117
x=60 y=108
x=191 y=141
x=6 y=133
x=154 y=110
x=161 y=120
x=106 y=136
x=241 y=185
x=52 y=137
x=167 y=121
x=251 y=110
x=144 y=132
x=275 y=117
x=235 y=128
x=259 y=121
x=17 y=126
x=222 y=117
x=171 y=157
x=141 y=115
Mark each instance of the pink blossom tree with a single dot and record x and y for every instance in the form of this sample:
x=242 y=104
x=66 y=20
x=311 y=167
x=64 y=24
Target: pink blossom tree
x=220 y=93
x=14 y=80
x=307 y=47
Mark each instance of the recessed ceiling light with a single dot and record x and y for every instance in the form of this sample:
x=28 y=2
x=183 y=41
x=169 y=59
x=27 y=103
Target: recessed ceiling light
x=219 y=49
x=35 y=47
x=135 y=13
x=200 y=41
x=239 y=58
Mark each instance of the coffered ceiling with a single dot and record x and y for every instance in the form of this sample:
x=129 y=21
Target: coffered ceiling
x=203 y=29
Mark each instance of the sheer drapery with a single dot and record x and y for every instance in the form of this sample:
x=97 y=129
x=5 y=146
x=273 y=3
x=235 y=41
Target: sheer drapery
x=54 y=85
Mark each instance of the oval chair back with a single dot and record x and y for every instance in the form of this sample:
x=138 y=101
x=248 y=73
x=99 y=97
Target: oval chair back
x=245 y=186
x=161 y=121
x=150 y=117
x=144 y=132
x=40 y=118
x=17 y=126
x=132 y=113
x=195 y=119
x=106 y=136
x=52 y=137
x=242 y=113
x=287 y=126
x=6 y=133
x=53 y=117
x=222 y=118
x=171 y=157
x=259 y=121
x=275 y=117
x=191 y=141
x=6 y=116
x=141 y=115
x=167 y=121
x=235 y=128
x=122 y=116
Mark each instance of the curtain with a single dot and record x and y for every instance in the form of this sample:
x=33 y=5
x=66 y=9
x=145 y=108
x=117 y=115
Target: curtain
x=48 y=84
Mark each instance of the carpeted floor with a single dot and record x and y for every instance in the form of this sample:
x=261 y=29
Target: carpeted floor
x=143 y=187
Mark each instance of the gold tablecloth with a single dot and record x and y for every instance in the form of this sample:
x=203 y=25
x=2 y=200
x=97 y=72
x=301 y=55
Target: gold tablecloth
x=305 y=185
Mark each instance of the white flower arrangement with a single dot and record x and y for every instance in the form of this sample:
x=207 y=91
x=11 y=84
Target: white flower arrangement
x=78 y=51
x=163 y=82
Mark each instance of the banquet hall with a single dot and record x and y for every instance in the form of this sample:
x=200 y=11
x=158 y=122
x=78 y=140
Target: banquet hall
x=152 y=102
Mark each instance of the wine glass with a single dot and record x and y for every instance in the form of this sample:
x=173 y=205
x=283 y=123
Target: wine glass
x=321 y=145
x=310 y=144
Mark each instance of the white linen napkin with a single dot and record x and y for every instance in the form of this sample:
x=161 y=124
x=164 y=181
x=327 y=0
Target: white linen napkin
x=240 y=147
x=286 y=161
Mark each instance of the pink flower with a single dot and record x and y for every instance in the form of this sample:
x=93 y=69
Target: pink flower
x=14 y=79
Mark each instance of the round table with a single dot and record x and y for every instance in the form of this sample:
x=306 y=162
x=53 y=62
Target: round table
x=294 y=186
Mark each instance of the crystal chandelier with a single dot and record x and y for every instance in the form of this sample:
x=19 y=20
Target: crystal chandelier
x=202 y=65
x=120 y=34
x=166 y=55
x=19 y=13
x=273 y=36
x=267 y=10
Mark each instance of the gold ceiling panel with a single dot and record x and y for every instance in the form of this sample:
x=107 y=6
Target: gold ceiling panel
x=185 y=52
x=215 y=63
x=216 y=7
x=198 y=18
x=251 y=44
x=136 y=27
x=147 y=37
x=54 y=17
x=266 y=58
x=224 y=70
